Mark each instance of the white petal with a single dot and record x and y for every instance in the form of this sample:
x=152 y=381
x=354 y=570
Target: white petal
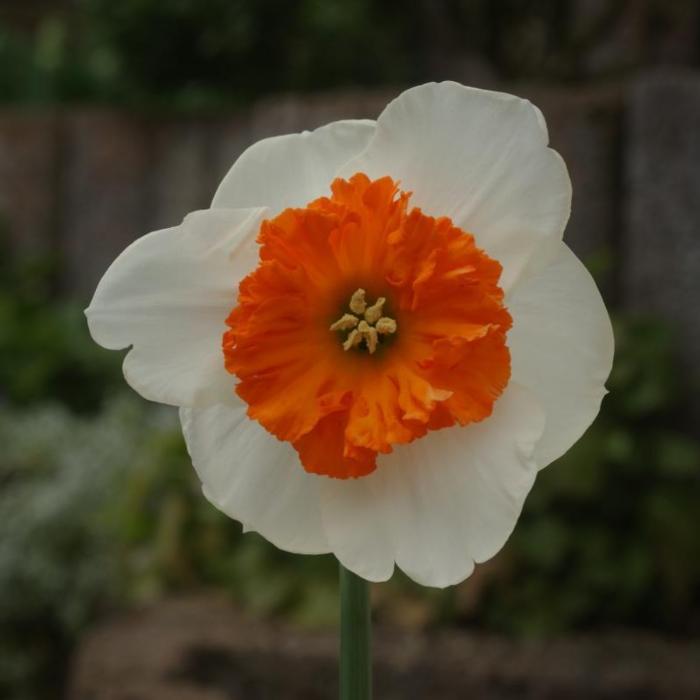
x=254 y=478
x=292 y=170
x=441 y=503
x=562 y=348
x=481 y=158
x=168 y=295
x=355 y=521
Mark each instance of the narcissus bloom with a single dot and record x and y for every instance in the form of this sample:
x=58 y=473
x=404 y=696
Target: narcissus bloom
x=375 y=335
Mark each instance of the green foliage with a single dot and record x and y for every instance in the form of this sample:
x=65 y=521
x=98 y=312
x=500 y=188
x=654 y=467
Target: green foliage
x=205 y=53
x=45 y=349
x=238 y=49
x=193 y=54
x=51 y=65
x=59 y=476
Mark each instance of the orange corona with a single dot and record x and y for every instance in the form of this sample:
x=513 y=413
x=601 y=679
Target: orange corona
x=365 y=325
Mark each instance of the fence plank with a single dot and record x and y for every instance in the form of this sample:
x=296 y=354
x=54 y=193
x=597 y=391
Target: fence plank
x=228 y=138
x=28 y=162
x=107 y=193
x=180 y=172
x=661 y=253
x=583 y=128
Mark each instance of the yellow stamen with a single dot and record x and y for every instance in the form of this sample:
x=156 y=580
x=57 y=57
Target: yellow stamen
x=369 y=335
x=372 y=339
x=357 y=302
x=364 y=330
x=385 y=325
x=374 y=312
x=345 y=323
x=355 y=338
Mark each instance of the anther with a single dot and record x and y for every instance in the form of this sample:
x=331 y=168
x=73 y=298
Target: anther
x=345 y=323
x=385 y=325
x=355 y=338
x=372 y=339
x=357 y=302
x=374 y=312
x=369 y=335
x=365 y=324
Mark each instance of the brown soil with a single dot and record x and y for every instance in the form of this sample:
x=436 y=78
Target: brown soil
x=202 y=648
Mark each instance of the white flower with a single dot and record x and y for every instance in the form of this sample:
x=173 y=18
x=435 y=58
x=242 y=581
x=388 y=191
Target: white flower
x=467 y=351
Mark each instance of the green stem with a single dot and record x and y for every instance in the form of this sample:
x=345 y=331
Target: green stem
x=355 y=637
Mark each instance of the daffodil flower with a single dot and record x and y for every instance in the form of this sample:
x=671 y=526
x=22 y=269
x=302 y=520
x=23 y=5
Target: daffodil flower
x=375 y=335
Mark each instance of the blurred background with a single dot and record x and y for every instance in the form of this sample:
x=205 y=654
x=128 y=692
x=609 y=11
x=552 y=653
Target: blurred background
x=117 y=579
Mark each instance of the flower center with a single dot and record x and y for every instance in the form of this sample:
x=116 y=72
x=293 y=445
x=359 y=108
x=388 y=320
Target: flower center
x=366 y=324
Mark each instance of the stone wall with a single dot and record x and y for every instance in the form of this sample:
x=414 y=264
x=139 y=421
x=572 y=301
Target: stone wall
x=82 y=183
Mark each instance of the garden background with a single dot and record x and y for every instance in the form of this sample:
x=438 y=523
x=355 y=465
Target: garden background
x=117 y=579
